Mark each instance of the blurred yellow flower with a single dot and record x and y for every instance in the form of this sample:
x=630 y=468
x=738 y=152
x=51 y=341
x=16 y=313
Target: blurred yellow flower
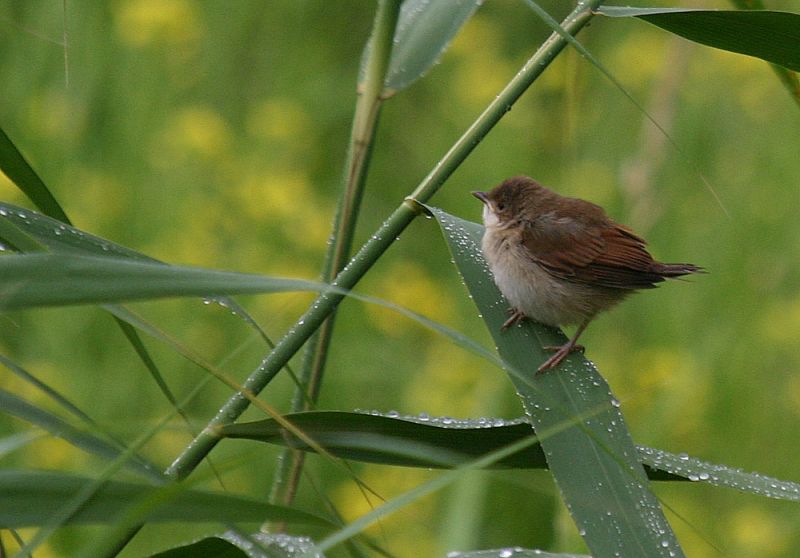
x=446 y=386
x=669 y=387
x=388 y=482
x=278 y=119
x=410 y=286
x=195 y=239
x=51 y=113
x=639 y=58
x=193 y=131
x=142 y=22
x=274 y=194
x=480 y=73
x=757 y=533
x=285 y=199
x=793 y=393
x=590 y=179
x=103 y=199
x=781 y=321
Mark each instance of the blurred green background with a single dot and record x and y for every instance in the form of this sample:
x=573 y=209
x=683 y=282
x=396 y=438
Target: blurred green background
x=213 y=133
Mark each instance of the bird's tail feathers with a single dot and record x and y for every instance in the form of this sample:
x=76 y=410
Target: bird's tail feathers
x=677 y=270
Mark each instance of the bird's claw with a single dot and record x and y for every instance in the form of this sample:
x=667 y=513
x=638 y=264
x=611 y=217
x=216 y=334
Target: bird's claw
x=516 y=316
x=560 y=354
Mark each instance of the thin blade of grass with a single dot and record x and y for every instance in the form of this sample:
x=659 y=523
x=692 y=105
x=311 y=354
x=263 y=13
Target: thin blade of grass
x=416 y=493
x=28 y=231
x=46 y=233
x=15 y=406
x=552 y=23
x=53 y=394
x=120 y=532
x=15 y=167
x=10 y=444
x=35 y=280
x=28 y=498
x=228 y=381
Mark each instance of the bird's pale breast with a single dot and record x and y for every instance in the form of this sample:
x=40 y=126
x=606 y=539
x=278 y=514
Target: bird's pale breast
x=532 y=290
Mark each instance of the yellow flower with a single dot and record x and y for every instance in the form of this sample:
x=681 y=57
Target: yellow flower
x=143 y=22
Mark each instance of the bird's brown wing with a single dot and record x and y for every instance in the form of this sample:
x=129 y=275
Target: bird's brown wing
x=604 y=254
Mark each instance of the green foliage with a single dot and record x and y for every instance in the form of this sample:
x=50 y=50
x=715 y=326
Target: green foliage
x=772 y=36
x=232 y=545
x=424 y=441
x=52 y=279
x=20 y=172
x=212 y=136
x=35 y=494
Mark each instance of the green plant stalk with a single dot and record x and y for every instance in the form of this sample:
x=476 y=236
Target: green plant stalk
x=379 y=242
x=290 y=462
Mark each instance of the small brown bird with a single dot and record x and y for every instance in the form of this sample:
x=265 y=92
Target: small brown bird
x=561 y=261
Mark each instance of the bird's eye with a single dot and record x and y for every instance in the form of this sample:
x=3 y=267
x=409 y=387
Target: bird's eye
x=500 y=206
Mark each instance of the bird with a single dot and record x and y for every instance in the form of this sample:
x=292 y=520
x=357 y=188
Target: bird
x=561 y=261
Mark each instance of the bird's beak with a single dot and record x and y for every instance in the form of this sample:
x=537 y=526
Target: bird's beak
x=481 y=196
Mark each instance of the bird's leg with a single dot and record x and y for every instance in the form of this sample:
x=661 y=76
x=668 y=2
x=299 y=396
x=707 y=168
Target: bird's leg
x=564 y=350
x=516 y=316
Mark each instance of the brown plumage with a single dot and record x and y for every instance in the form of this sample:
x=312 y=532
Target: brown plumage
x=560 y=260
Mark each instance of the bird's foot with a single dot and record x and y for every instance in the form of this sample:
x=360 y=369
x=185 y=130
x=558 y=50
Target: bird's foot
x=560 y=354
x=516 y=316
x=557 y=348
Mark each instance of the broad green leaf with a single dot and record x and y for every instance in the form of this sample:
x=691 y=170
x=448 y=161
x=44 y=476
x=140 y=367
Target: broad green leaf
x=395 y=441
x=15 y=167
x=33 y=280
x=210 y=547
x=789 y=78
x=62 y=238
x=29 y=498
x=15 y=406
x=581 y=429
x=392 y=439
x=423 y=33
x=29 y=231
x=719 y=475
x=769 y=35
x=14 y=239
x=232 y=545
